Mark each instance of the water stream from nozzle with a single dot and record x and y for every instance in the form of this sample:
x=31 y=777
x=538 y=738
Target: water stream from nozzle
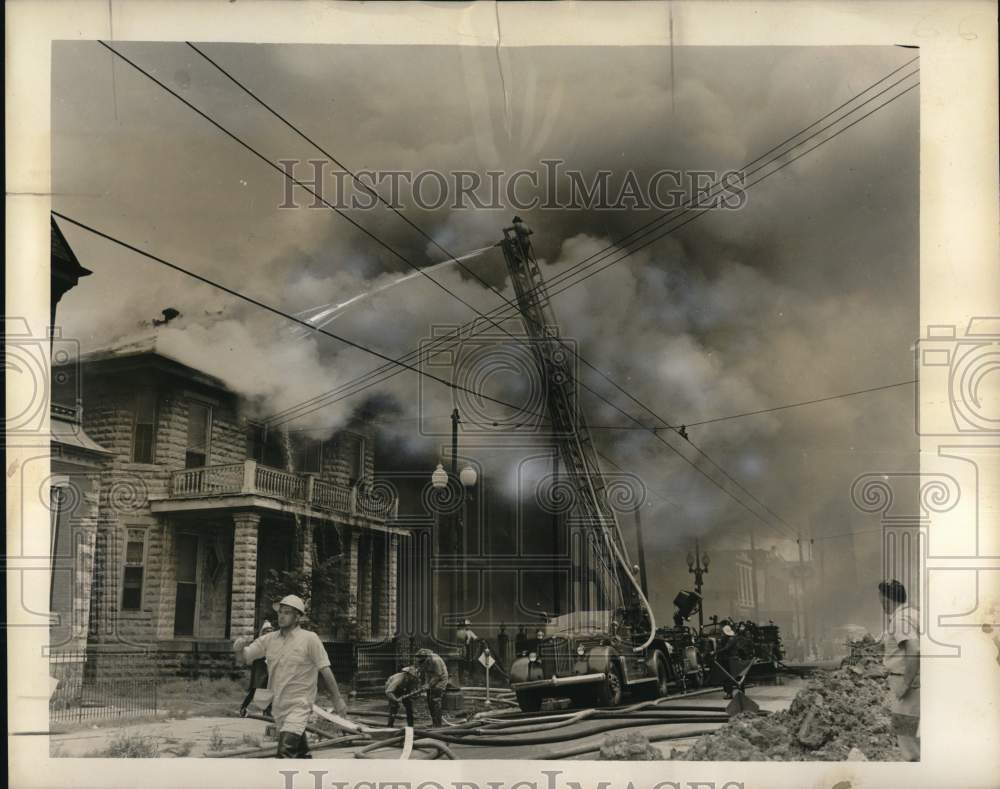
x=324 y=314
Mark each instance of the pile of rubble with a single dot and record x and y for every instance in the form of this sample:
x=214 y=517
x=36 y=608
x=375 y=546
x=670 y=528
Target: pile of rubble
x=864 y=649
x=840 y=715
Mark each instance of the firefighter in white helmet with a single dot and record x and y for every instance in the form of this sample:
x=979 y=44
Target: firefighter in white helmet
x=295 y=659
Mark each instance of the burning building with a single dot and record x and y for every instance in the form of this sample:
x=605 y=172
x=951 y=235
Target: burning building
x=201 y=515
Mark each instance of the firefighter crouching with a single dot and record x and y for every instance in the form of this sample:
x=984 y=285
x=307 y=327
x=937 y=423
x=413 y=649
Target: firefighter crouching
x=400 y=688
x=434 y=674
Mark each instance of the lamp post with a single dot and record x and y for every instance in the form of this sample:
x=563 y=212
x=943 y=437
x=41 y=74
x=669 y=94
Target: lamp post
x=698 y=566
x=466 y=479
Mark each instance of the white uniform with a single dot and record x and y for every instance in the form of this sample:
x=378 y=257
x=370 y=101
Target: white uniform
x=293 y=664
x=904 y=625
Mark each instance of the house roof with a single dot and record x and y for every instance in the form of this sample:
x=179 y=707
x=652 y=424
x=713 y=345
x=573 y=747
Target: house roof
x=67 y=430
x=64 y=261
x=147 y=350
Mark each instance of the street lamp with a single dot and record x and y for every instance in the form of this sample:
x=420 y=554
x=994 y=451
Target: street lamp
x=467 y=479
x=439 y=479
x=698 y=566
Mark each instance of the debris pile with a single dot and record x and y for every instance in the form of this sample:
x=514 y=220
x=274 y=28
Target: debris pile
x=630 y=746
x=864 y=649
x=839 y=715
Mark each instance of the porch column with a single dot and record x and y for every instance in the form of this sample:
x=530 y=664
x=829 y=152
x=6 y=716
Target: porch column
x=391 y=573
x=365 y=588
x=352 y=574
x=246 y=526
x=168 y=583
x=306 y=546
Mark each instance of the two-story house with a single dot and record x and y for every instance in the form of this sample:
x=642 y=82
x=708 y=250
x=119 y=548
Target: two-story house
x=198 y=503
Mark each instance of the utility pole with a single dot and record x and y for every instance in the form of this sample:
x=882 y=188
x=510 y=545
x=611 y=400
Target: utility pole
x=822 y=590
x=698 y=566
x=753 y=578
x=803 y=629
x=456 y=519
x=556 y=523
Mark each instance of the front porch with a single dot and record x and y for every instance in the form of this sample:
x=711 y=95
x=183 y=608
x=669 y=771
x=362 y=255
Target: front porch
x=223 y=569
x=251 y=484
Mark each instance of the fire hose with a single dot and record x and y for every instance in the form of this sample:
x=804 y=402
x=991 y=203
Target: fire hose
x=408 y=733
x=509 y=730
x=509 y=733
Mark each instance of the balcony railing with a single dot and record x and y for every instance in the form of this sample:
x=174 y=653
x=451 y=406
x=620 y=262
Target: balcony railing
x=250 y=477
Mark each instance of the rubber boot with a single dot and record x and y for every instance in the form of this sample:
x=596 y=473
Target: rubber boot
x=293 y=746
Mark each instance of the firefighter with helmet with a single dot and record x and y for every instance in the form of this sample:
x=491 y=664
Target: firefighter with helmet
x=434 y=674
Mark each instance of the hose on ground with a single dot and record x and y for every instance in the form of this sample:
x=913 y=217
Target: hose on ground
x=421 y=744
x=546 y=723
x=497 y=741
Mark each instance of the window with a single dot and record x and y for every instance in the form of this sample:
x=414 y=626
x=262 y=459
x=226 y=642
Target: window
x=59 y=496
x=309 y=456
x=744 y=592
x=256 y=441
x=198 y=432
x=134 y=566
x=264 y=445
x=354 y=454
x=144 y=431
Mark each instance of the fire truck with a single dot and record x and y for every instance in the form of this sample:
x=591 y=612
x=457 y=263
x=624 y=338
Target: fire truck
x=600 y=652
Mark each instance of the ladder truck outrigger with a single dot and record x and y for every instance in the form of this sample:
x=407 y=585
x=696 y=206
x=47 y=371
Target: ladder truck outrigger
x=598 y=652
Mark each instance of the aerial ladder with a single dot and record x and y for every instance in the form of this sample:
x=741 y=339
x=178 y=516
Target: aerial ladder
x=571 y=431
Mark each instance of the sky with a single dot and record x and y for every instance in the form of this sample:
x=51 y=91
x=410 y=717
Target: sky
x=809 y=290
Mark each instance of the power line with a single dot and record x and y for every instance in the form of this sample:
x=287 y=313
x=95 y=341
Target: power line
x=352 y=343
x=666 y=423
x=763 y=410
x=627 y=253
x=397 y=254
x=446 y=252
x=803 y=403
x=746 y=186
x=450 y=255
x=294 y=180
x=281 y=313
x=263 y=158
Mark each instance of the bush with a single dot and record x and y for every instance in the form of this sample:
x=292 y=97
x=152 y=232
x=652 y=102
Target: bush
x=126 y=745
x=217 y=742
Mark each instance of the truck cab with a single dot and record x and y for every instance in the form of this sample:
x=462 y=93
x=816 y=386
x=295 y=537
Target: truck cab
x=590 y=658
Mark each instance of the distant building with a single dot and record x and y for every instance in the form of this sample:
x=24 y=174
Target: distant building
x=190 y=504
x=730 y=589
x=77 y=465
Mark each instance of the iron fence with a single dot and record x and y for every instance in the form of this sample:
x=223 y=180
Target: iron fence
x=382 y=656
x=80 y=696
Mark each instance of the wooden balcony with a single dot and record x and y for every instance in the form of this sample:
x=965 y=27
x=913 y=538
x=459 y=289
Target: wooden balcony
x=300 y=491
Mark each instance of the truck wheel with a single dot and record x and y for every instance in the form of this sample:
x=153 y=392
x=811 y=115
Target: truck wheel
x=610 y=692
x=660 y=688
x=662 y=677
x=528 y=701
